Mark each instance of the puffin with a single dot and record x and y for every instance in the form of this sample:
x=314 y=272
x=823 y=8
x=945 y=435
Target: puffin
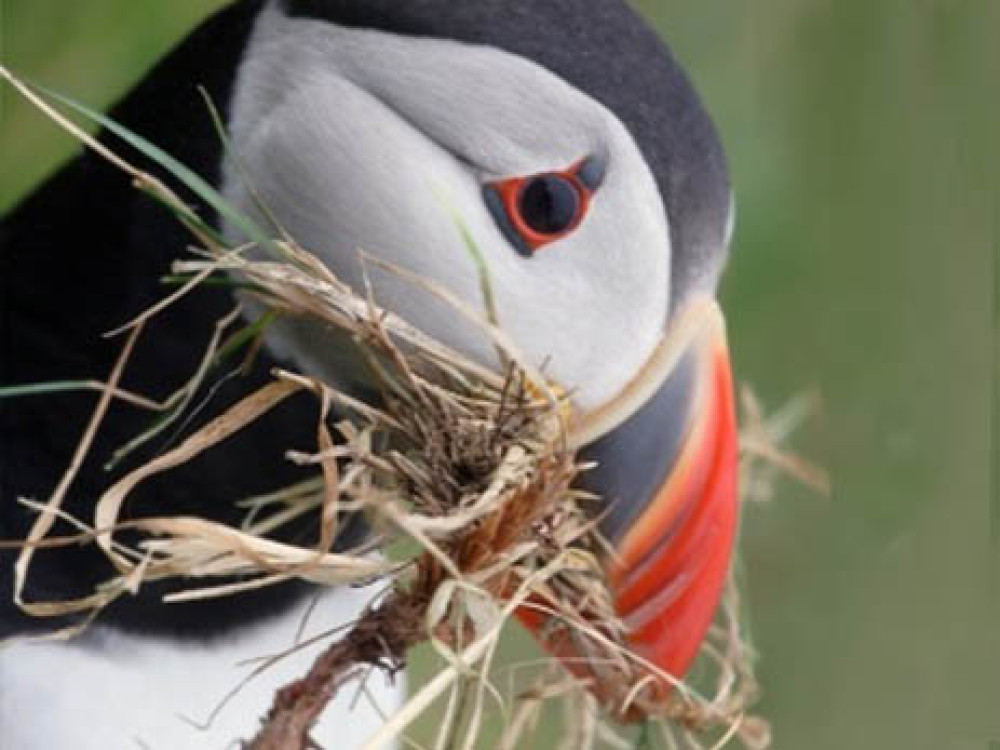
x=583 y=164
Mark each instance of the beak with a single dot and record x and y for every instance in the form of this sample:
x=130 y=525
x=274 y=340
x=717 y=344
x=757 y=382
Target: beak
x=668 y=475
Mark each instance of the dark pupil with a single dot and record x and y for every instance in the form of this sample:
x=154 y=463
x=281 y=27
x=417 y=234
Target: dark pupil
x=549 y=204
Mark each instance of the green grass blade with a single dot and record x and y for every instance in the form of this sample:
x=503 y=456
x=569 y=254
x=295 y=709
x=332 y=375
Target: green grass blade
x=188 y=218
x=244 y=336
x=234 y=157
x=184 y=174
x=478 y=259
x=45 y=389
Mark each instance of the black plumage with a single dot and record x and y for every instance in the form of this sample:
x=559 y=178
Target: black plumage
x=81 y=256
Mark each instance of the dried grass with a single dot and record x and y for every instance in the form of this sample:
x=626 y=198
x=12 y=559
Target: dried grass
x=472 y=467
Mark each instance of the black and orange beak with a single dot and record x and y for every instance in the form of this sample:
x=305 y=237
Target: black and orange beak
x=668 y=476
x=670 y=473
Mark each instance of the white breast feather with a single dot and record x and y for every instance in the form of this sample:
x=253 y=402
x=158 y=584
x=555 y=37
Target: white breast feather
x=114 y=691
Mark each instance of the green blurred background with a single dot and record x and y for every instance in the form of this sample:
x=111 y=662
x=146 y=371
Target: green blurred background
x=862 y=140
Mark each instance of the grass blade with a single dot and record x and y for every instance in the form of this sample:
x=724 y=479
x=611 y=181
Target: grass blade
x=194 y=182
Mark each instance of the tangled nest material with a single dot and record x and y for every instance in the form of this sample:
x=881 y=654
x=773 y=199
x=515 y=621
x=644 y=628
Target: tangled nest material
x=467 y=469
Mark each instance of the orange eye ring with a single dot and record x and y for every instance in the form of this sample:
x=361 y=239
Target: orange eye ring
x=539 y=209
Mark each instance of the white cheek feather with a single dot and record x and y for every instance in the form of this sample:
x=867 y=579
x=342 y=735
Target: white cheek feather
x=112 y=691
x=357 y=139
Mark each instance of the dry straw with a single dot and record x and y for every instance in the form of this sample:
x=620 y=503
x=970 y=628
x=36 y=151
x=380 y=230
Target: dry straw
x=468 y=469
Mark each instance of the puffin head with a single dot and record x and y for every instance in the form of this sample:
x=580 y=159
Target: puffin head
x=580 y=161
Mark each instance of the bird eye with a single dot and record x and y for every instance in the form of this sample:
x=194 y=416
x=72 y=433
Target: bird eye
x=549 y=204
x=535 y=211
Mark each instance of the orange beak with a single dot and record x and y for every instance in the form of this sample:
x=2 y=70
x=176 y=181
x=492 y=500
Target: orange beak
x=673 y=557
x=669 y=477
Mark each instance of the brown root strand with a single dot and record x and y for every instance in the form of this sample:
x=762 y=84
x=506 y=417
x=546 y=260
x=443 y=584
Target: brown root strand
x=381 y=639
